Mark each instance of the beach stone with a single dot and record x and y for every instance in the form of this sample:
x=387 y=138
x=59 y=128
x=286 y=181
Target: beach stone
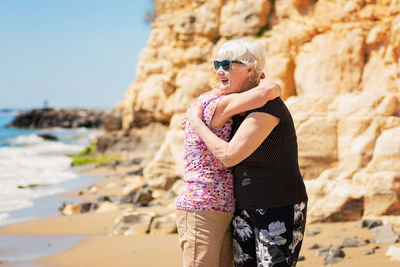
x=393 y=252
x=128 y=198
x=114 y=164
x=164 y=225
x=385 y=234
x=314 y=246
x=374 y=223
x=93 y=189
x=136 y=172
x=372 y=250
x=143 y=196
x=313 y=232
x=88 y=206
x=111 y=185
x=132 y=185
x=349 y=242
x=139 y=197
x=70 y=209
x=106 y=206
x=368 y=223
x=135 y=161
x=103 y=198
x=48 y=137
x=323 y=251
x=334 y=255
x=301 y=258
x=132 y=222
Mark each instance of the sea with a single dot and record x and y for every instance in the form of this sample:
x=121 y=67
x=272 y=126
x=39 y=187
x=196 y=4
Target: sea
x=33 y=170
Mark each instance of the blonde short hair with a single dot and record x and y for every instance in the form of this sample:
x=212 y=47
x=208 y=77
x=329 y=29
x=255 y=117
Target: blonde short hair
x=246 y=51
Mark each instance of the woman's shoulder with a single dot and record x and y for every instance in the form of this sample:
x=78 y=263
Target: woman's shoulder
x=209 y=96
x=274 y=107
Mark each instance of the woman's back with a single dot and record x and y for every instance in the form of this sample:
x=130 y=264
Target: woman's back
x=208 y=184
x=270 y=176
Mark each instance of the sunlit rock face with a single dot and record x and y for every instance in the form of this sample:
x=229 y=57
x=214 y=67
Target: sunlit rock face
x=338 y=63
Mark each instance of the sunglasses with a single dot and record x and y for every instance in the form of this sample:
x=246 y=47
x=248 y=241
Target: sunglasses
x=225 y=64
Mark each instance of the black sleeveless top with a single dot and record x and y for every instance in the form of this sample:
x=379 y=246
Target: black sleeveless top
x=270 y=176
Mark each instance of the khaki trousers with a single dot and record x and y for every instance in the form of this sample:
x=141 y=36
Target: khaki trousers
x=205 y=238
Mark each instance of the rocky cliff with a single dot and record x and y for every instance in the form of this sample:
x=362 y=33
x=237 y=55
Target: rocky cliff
x=338 y=63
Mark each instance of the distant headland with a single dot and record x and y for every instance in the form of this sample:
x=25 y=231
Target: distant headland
x=50 y=117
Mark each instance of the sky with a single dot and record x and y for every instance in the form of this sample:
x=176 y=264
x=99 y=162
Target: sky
x=70 y=53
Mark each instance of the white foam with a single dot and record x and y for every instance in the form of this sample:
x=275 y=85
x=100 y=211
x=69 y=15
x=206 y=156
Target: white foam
x=3 y=216
x=24 y=140
x=33 y=161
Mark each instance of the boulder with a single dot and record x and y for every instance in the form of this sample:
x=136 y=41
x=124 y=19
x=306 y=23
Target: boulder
x=70 y=209
x=164 y=225
x=132 y=222
x=106 y=206
x=382 y=196
x=334 y=255
x=167 y=165
x=386 y=155
x=333 y=201
x=350 y=242
x=385 y=234
x=393 y=252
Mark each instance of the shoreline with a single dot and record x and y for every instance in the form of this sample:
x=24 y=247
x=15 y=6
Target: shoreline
x=47 y=206
x=84 y=239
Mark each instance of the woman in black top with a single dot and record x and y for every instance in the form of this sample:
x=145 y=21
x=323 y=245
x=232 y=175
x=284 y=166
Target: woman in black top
x=269 y=221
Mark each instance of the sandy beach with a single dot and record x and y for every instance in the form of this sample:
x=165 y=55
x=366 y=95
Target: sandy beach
x=85 y=240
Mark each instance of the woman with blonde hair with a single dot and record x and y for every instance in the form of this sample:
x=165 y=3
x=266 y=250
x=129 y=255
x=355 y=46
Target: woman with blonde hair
x=271 y=199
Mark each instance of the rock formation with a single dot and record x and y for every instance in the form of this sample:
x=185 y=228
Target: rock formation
x=338 y=63
x=64 y=118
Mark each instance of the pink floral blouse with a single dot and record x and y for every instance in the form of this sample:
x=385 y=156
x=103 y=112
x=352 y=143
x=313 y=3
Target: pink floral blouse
x=207 y=184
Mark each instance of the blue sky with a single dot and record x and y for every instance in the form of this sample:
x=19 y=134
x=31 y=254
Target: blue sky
x=72 y=53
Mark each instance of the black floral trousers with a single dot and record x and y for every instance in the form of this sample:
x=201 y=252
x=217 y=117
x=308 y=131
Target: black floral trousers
x=268 y=237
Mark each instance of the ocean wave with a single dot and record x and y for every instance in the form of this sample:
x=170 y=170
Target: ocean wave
x=25 y=140
x=4 y=216
x=32 y=168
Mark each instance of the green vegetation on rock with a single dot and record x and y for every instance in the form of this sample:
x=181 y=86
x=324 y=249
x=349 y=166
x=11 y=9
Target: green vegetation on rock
x=88 y=155
x=78 y=160
x=88 y=150
x=28 y=186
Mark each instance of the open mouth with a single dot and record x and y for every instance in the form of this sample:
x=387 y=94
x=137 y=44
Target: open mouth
x=224 y=81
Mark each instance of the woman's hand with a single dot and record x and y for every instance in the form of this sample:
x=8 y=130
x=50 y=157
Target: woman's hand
x=194 y=113
x=183 y=121
x=272 y=89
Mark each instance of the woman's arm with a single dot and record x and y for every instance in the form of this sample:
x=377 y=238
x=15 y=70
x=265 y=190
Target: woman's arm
x=236 y=103
x=251 y=133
